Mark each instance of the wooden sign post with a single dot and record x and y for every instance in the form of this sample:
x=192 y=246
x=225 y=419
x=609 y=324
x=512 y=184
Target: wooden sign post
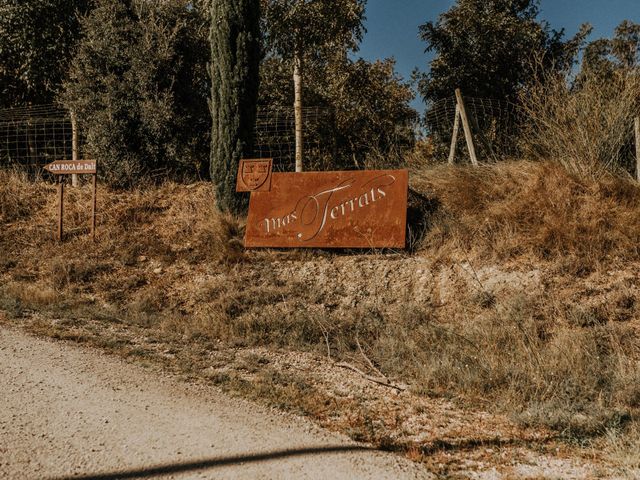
x=74 y=167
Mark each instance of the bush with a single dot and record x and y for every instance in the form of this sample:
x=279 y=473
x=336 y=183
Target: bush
x=37 y=38
x=371 y=123
x=139 y=87
x=586 y=127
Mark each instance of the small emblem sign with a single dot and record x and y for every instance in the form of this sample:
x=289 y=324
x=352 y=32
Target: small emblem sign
x=70 y=167
x=352 y=209
x=254 y=175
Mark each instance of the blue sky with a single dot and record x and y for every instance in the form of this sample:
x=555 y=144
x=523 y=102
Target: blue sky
x=392 y=25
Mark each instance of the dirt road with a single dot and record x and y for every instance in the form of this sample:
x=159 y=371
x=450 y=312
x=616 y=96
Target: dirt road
x=72 y=412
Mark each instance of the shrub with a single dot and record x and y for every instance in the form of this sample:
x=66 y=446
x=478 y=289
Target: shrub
x=586 y=127
x=37 y=38
x=139 y=87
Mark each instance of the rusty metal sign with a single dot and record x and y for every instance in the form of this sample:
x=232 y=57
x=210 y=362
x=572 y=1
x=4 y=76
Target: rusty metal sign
x=70 y=167
x=254 y=175
x=352 y=209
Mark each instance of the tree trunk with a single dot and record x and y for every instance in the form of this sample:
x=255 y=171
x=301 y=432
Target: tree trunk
x=297 y=107
x=235 y=63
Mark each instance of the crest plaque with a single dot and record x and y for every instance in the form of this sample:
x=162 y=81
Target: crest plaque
x=254 y=175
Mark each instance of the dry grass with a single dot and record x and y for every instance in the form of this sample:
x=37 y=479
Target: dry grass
x=532 y=211
x=586 y=126
x=166 y=262
x=15 y=202
x=524 y=357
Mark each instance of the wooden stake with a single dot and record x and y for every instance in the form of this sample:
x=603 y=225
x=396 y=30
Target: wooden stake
x=637 y=134
x=60 y=207
x=467 y=128
x=454 y=138
x=93 y=206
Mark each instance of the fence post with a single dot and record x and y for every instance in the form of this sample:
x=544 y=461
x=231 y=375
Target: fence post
x=467 y=128
x=454 y=137
x=74 y=146
x=637 y=135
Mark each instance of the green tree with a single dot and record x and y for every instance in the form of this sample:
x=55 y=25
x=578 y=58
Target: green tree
x=304 y=32
x=485 y=48
x=604 y=56
x=375 y=123
x=372 y=123
x=139 y=86
x=37 y=38
x=235 y=76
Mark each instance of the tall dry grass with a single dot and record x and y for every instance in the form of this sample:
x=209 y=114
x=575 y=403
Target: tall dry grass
x=19 y=196
x=585 y=125
x=166 y=261
x=534 y=211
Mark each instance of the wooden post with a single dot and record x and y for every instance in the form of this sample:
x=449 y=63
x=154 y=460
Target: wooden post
x=93 y=206
x=60 y=207
x=637 y=135
x=467 y=128
x=454 y=138
x=74 y=147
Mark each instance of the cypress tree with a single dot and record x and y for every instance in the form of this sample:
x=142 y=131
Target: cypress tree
x=235 y=63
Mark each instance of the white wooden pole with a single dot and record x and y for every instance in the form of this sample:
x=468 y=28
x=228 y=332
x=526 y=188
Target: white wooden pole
x=467 y=128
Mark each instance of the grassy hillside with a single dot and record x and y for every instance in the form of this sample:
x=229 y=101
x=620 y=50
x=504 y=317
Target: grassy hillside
x=519 y=293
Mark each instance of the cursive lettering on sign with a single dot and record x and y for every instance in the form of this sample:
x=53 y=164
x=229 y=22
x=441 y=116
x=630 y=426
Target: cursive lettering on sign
x=351 y=209
x=314 y=211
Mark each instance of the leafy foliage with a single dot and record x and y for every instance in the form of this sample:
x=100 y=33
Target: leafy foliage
x=235 y=63
x=604 y=56
x=315 y=29
x=370 y=102
x=138 y=84
x=375 y=123
x=37 y=38
x=484 y=48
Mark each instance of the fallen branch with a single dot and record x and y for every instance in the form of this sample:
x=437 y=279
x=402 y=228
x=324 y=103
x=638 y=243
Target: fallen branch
x=380 y=381
x=369 y=362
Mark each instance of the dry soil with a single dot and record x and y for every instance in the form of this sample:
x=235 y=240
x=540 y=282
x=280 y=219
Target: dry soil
x=68 y=412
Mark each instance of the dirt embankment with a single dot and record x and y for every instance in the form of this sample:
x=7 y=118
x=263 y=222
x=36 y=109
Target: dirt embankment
x=511 y=326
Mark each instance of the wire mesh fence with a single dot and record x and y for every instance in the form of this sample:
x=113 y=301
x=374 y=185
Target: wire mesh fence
x=495 y=120
x=31 y=137
x=275 y=137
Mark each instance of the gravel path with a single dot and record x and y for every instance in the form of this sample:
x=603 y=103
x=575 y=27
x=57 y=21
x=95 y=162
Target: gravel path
x=72 y=412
